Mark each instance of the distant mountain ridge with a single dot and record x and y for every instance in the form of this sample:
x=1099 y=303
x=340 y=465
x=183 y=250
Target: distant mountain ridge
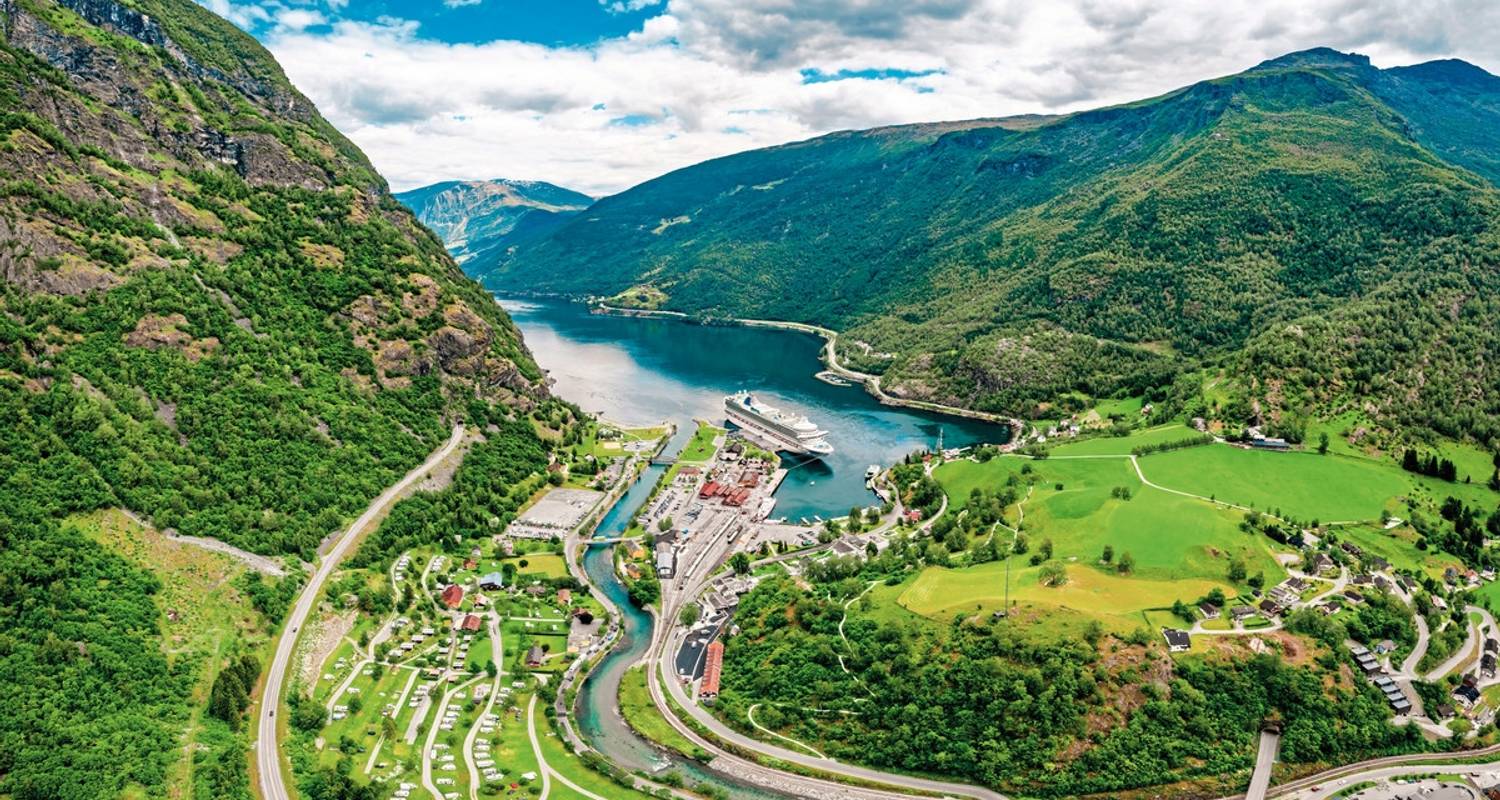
x=1256 y=231
x=483 y=222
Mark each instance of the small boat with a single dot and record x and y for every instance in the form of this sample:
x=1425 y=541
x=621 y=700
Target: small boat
x=831 y=378
x=872 y=471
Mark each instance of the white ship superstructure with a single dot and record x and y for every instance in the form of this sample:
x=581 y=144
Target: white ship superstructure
x=783 y=431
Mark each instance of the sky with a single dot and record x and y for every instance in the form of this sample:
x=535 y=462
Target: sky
x=599 y=95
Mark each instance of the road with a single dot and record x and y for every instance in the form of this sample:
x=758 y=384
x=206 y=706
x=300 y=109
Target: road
x=1260 y=780
x=267 y=744
x=536 y=750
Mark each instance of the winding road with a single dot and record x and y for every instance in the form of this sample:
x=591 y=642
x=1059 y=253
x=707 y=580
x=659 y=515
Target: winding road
x=267 y=741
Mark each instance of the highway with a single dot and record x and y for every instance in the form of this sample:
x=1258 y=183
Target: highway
x=267 y=747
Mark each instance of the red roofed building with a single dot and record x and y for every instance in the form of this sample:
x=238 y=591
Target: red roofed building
x=453 y=596
x=470 y=623
x=709 y=490
x=713 y=665
x=564 y=597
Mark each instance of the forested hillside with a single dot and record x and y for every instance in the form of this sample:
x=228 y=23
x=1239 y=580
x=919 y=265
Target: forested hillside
x=1320 y=231
x=213 y=314
x=483 y=223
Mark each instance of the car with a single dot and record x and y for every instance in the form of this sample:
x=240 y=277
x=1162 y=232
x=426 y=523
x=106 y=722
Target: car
x=272 y=714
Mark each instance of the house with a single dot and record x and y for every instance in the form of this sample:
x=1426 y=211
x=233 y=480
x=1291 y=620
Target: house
x=1439 y=602
x=1466 y=695
x=469 y=624
x=564 y=597
x=492 y=581
x=666 y=561
x=1321 y=563
x=1384 y=646
x=1352 y=549
x=1377 y=564
x=632 y=571
x=713 y=665
x=634 y=550
x=1353 y=596
x=1269 y=607
x=453 y=595
x=1208 y=610
x=1487 y=665
x=1443 y=711
x=481 y=601
x=507 y=547
x=1491 y=646
x=470 y=563
x=1362 y=579
x=1241 y=613
x=535 y=656
x=1269 y=443
x=1450 y=575
x=1178 y=641
x=536 y=590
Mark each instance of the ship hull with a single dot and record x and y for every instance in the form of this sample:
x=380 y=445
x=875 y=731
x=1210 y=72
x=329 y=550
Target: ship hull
x=767 y=436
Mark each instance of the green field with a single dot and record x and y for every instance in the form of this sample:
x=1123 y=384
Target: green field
x=565 y=763
x=1122 y=445
x=641 y=714
x=1114 y=600
x=1303 y=485
x=958 y=478
x=701 y=448
x=1398 y=546
x=1170 y=536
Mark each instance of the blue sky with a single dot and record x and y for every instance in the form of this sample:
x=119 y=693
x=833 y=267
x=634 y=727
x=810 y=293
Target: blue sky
x=598 y=95
x=547 y=22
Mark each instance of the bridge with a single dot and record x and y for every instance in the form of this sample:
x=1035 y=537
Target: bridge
x=663 y=460
x=612 y=540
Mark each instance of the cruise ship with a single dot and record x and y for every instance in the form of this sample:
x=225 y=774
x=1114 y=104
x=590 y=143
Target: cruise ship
x=776 y=428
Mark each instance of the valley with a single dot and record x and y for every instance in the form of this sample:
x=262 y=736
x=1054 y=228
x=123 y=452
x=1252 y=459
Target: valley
x=1150 y=450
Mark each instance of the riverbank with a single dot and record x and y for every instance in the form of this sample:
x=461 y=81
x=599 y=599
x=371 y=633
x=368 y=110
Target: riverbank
x=830 y=360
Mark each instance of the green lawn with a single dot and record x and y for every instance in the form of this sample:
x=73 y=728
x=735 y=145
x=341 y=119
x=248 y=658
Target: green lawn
x=1122 y=445
x=642 y=715
x=701 y=448
x=1112 y=599
x=958 y=478
x=1398 y=546
x=1170 y=536
x=1304 y=485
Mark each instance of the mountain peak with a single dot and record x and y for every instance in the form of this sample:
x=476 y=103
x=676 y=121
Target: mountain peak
x=1316 y=57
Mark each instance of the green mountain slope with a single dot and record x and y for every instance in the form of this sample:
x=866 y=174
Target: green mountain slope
x=1004 y=263
x=484 y=223
x=212 y=313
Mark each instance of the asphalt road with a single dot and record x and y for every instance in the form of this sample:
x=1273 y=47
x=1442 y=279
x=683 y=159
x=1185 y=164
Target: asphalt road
x=1260 y=780
x=267 y=748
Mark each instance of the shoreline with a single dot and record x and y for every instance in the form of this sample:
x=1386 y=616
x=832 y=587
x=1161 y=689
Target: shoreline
x=828 y=357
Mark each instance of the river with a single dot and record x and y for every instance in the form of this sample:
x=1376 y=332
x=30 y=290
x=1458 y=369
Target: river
x=644 y=371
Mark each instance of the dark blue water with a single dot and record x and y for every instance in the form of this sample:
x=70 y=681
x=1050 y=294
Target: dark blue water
x=643 y=371
x=640 y=371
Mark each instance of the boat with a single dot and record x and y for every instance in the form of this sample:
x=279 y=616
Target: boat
x=775 y=428
x=872 y=471
x=831 y=378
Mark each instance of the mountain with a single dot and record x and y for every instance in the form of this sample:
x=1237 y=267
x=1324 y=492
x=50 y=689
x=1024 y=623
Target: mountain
x=1309 y=238
x=483 y=223
x=213 y=314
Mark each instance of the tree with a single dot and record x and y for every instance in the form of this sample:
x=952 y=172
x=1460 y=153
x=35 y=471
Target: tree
x=1109 y=554
x=1045 y=550
x=664 y=525
x=1323 y=443
x=740 y=563
x=1020 y=546
x=1127 y=563
x=689 y=614
x=1236 y=569
x=1053 y=573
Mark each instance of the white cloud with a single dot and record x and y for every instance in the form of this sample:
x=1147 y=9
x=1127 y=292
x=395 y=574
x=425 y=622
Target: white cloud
x=461 y=3
x=710 y=77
